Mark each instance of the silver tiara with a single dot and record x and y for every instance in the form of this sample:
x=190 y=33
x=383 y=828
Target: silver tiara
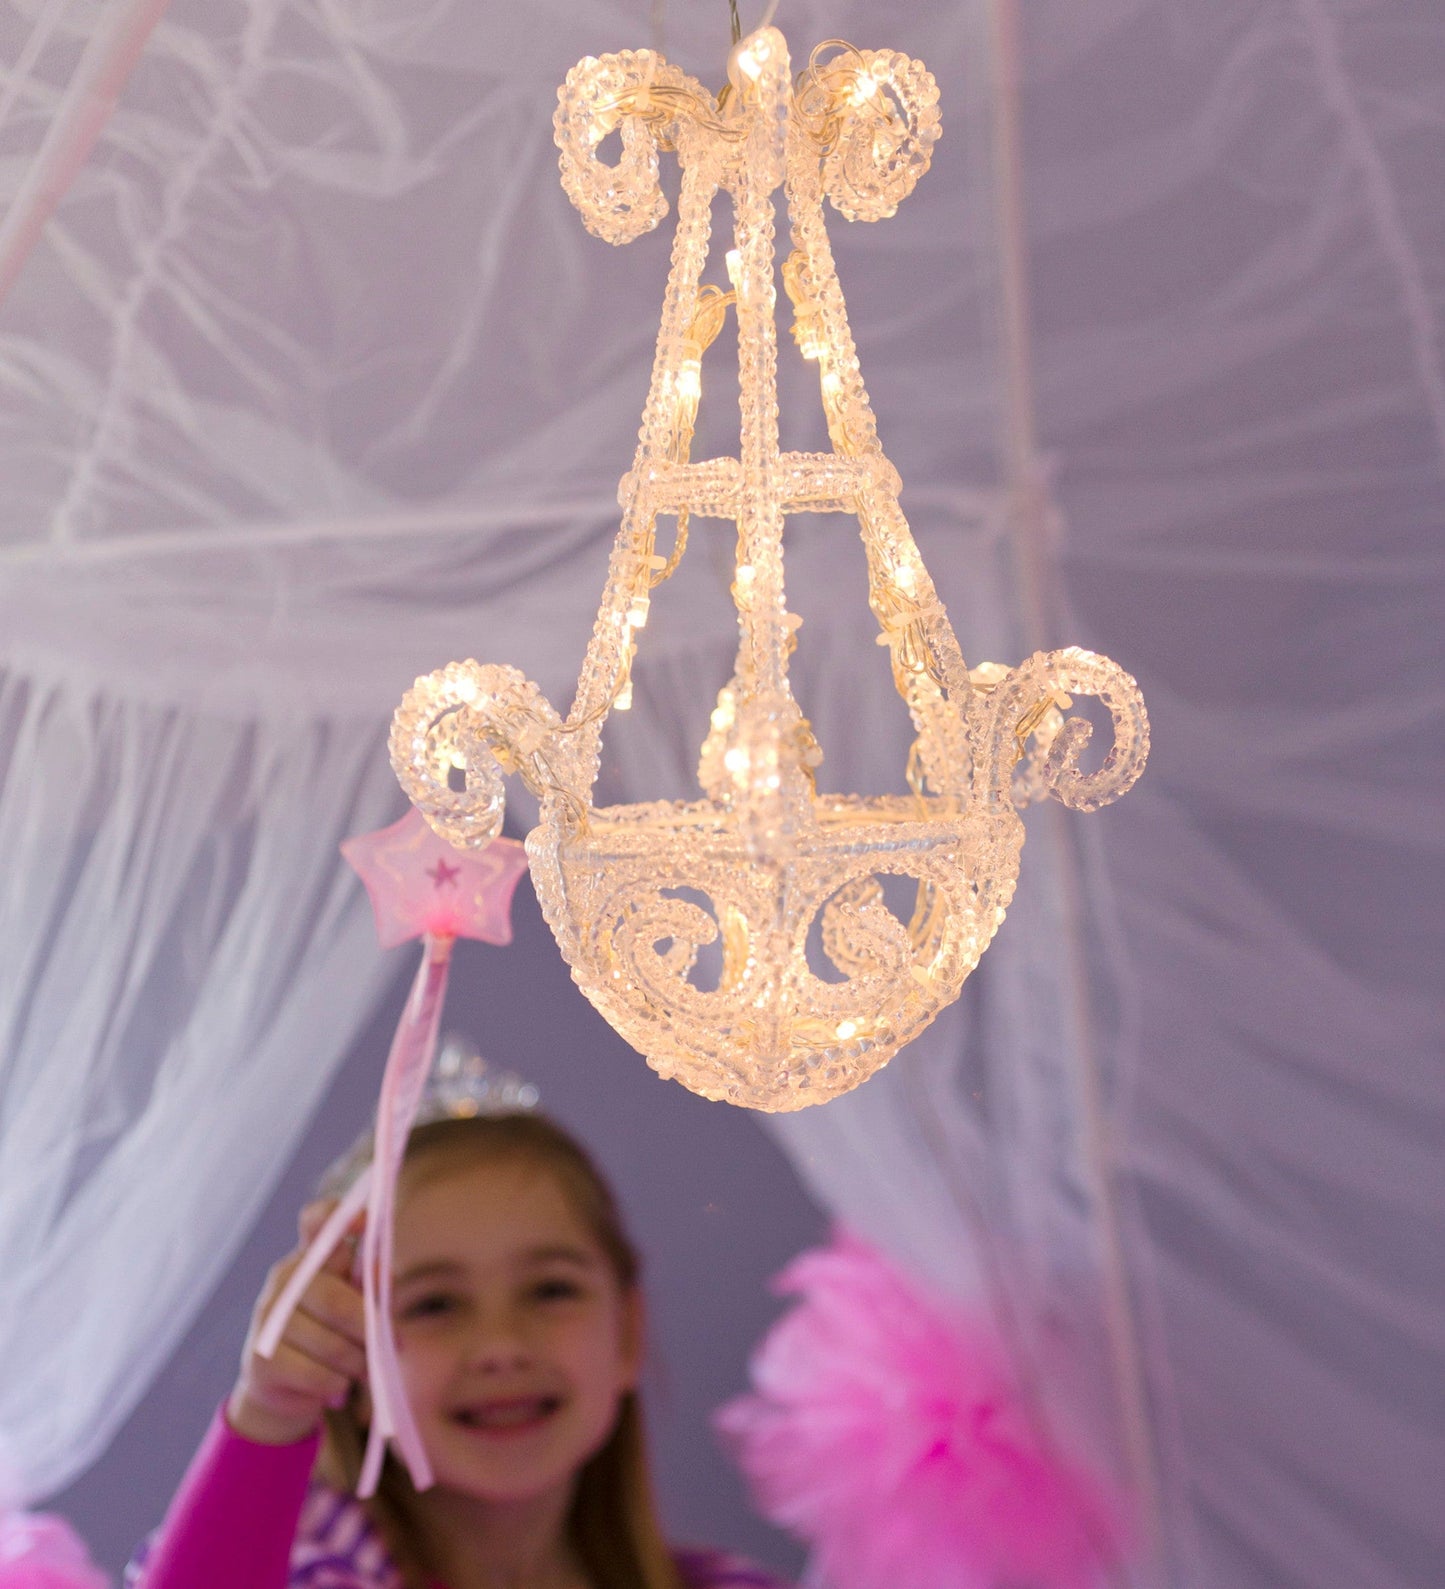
x=463 y=1085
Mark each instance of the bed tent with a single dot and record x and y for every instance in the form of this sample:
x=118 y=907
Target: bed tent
x=310 y=380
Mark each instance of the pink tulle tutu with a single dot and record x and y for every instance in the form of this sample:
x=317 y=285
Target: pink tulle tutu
x=887 y=1435
x=38 y=1551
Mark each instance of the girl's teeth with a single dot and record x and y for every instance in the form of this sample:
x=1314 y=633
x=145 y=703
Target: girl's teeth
x=511 y=1415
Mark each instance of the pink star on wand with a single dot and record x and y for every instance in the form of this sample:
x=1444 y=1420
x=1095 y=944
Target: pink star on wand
x=420 y=885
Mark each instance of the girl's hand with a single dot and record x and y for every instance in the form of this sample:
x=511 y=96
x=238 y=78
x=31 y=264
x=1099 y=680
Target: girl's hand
x=279 y=1400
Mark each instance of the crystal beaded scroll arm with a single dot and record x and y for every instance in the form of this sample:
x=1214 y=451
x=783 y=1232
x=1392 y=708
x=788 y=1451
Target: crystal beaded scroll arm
x=779 y=877
x=1026 y=701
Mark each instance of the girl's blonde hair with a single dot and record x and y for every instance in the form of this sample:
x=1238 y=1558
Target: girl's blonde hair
x=613 y=1523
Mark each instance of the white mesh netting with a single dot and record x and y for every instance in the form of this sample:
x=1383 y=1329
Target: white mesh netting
x=310 y=380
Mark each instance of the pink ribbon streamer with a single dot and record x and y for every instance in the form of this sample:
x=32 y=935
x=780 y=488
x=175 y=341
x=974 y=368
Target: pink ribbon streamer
x=407 y=1068
x=118 y=38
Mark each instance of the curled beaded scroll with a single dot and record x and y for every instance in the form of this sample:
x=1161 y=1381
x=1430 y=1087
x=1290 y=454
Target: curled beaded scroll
x=468 y=723
x=875 y=113
x=767 y=943
x=1028 y=699
x=637 y=92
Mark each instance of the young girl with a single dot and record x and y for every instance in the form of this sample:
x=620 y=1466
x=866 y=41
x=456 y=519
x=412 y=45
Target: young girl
x=519 y=1324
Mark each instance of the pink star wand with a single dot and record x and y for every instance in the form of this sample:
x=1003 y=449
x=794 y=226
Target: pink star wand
x=420 y=887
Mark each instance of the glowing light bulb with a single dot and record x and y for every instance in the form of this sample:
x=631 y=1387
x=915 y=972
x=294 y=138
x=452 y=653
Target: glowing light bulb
x=736 y=760
x=689 y=380
x=752 y=57
x=623 y=700
x=847 y=1029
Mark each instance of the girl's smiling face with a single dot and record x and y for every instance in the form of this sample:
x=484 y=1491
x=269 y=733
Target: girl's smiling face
x=517 y=1340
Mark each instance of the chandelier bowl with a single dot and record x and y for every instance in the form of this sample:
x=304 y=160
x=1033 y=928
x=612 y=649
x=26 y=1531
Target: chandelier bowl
x=773 y=1021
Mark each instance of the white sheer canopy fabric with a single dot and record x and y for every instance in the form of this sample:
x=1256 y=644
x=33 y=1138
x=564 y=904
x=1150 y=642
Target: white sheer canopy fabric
x=313 y=381
x=181 y=955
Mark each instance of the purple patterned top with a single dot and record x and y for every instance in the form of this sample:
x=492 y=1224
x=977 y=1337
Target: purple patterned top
x=337 y=1548
x=249 y=1516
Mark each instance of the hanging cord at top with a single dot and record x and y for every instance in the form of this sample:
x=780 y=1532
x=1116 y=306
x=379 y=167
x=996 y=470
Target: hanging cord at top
x=737 y=24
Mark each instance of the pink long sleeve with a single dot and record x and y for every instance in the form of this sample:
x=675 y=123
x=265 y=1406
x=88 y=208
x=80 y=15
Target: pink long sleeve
x=234 y=1518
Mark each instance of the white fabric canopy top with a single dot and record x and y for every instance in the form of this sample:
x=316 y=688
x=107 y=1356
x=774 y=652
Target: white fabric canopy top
x=311 y=380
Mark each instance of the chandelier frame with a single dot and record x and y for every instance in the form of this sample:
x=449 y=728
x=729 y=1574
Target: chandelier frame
x=819 y=981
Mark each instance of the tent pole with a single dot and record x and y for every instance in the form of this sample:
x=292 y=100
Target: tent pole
x=1030 y=519
x=87 y=105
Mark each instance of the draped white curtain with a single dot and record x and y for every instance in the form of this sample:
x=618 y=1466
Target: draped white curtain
x=181 y=964
x=312 y=382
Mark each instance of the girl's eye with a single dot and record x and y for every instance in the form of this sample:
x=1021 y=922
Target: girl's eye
x=556 y=1288
x=431 y=1305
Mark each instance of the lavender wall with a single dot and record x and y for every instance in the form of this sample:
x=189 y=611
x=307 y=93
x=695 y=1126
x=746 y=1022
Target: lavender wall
x=713 y=1204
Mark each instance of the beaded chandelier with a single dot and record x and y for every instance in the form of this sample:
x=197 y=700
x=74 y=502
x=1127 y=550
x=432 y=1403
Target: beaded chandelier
x=810 y=976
